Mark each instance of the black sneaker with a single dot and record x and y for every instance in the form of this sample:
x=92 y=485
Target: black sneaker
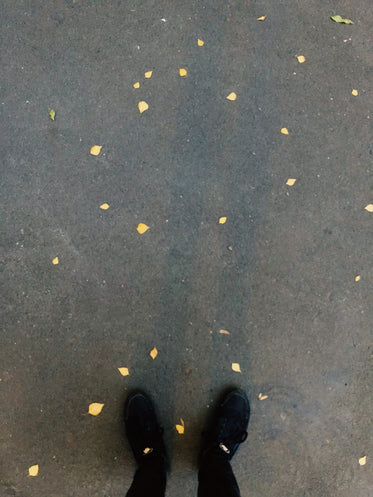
x=143 y=430
x=228 y=429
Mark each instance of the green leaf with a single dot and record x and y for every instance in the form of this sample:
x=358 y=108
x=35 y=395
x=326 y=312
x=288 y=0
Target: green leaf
x=341 y=20
x=52 y=114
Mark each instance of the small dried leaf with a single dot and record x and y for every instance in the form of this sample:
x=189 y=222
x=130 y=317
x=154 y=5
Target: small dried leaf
x=301 y=59
x=95 y=408
x=124 y=371
x=183 y=72
x=363 y=461
x=147 y=450
x=232 y=96
x=230 y=247
x=104 y=206
x=96 y=149
x=262 y=397
x=341 y=20
x=154 y=353
x=137 y=84
x=236 y=367
x=358 y=277
x=369 y=207
x=142 y=228
x=284 y=131
x=200 y=42
x=291 y=181
x=180 y=428
x=52 y=114
x=261 y=18
x=143 y=106
x=222 y=220
x=355 y=93
x=55 y=261
x=33 y=470
x=224 y=332
x=148 y=74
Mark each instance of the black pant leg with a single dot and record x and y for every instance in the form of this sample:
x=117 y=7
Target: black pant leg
x=149 y=480
x=216 y=478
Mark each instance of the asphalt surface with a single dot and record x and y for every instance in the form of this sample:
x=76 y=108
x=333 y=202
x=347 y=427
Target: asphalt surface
x=279 y=275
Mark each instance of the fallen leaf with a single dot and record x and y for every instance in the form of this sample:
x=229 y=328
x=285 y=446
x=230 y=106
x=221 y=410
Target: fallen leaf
x=358 y=277
x=154 y=353
x=147 y=450
x=230 y=247
x=363 y=461
x=224 y=332
x=232 y=96
x=55 y=261
x=143 y=106
x=291 y=181
x=136 y=85
x=96 y=149
x=341 y=20
x=369 y=207
x=200 y=42
x=301 y=59
x=95 y=408
x=183 y=72
x=52 y=114
x=148 y=74
x=104 y=206
x=236 y=367
x=33 y=470
x=262 y=397
x=180 y=428
x=261 y=18
x=222 y=220
x=124 y=371
x=355 y=93
x=284 y=131
x=141 y=228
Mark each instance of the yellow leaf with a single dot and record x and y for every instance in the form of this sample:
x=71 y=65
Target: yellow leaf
x=369 y=207
x=95 y=408
x=147 y=450
x=180 y=428
x=284 y=131
x=153 y=353
x=236 y=367
x=301 y=59
x=262 y=397
x=261 y=18
x=141 y=228
x=148 y=74
x=124 y=371
x=136 y=85
x=143 y=106
x=200 y=42
x=363 y=461
x=183 y=72
x=358 y=277
x=224 y=332
x=104 y=206
x=291 y=181
x=222 y=220
x=52 y=114
x=96 y=149
x=355 y=93
x=232 y=96
x=55 y=261
x=33 y=470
